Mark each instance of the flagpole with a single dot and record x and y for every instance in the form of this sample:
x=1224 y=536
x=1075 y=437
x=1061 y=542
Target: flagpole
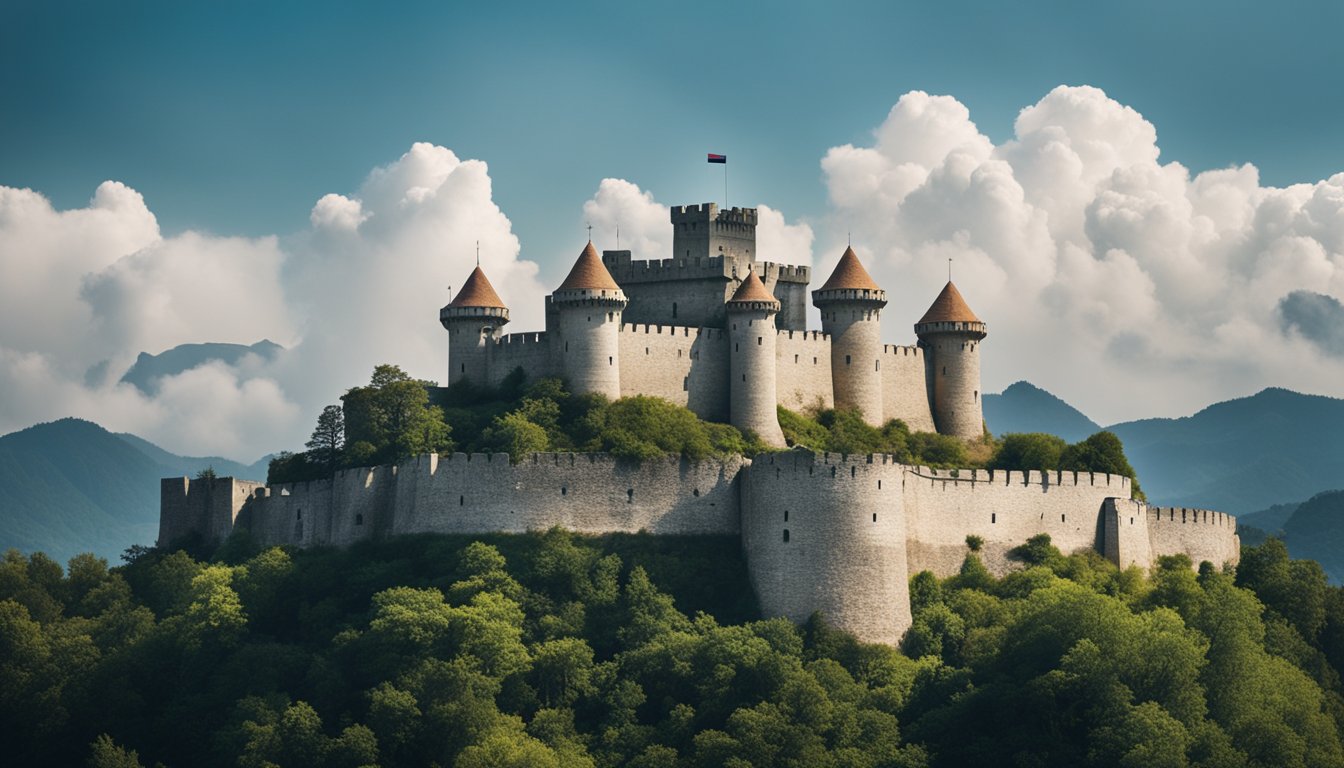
x=725 y=185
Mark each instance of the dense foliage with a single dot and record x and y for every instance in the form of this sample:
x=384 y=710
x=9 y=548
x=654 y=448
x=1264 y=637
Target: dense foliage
x=845 y=431
x=1102 y=452
x=395 y=417
x=558 y=650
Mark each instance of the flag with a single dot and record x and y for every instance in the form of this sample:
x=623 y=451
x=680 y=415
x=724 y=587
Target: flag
x=713 y=158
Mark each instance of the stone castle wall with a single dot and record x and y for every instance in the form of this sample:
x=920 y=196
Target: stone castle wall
x=905 y=393
x=688 y=366
x=820 y=532
x=803 y=370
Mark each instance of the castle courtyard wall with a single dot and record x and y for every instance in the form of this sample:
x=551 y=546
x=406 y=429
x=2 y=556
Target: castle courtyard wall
x=530 y=351
x=1005 y=509
x=803 y=370
x=905 y=392
x=687 y=366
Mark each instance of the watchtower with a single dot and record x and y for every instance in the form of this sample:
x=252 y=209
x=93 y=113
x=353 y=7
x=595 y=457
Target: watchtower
x=851 y=306
x=751 y=361
x=473 y=320
x=704 y=230
x=589 y=303
x=950 y=335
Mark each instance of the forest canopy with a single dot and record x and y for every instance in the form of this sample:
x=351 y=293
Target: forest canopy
x=553 y=649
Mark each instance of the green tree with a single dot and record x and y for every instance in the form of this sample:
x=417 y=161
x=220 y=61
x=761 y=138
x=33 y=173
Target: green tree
x=1102 y=452
x=328 y=439
x=1026 y=451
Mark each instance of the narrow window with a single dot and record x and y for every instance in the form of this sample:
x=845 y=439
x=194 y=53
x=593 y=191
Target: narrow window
x=609 y=361
x=814 y=361
x=993 y=518
x=646 y=350
x=786 y=515
x=566 y=346
x=846 y=359
x=879 y=485
x=464 y=368
x=674 y=309
x=737 y=347
x=630 y=496
x=874 y=517
x=758 y=340
x=461 y=500
x=300 y=515
x=564 y=491
x=696 y=492
x=944 y=370
x=1131 y=521
x=786 y=535
x=977 y=395
x=359 y=519
x=1061 y=518
x=795 y=359
x=686 y=384
x=744 y=377
x=877 y=365
x=853 y=471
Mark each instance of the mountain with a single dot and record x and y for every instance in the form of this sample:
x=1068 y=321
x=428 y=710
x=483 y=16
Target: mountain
x=71 y=486
x=1241 y=455
x=1024 y=407
x=1316 y=532
x=148 y=369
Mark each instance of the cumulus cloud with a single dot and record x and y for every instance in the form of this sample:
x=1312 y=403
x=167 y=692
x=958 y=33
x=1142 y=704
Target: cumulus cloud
x=646 y=230
x=1128 y=286
x=88 y=289
x=1318 y=318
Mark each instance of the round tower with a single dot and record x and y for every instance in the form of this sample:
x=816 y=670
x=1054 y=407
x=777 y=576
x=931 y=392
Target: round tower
x=751 y=361
x=473 y=320
x=589 y=303
x=851 y=306
x=950 y=335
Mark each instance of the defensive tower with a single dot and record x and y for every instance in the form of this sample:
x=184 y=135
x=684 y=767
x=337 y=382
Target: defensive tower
x=950 y=334
x=851 y=305
x=704 y=230
x=589 y=304
x=473 y=320
x=751 y=361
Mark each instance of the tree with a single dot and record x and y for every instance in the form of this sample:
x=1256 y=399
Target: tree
x=1027 y=451
x=324 y=447
x=1102 y=452
x=393 y=414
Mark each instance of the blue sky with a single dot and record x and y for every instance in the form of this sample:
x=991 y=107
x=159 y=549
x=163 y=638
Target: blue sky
x=234 y=117
x=1144 y=200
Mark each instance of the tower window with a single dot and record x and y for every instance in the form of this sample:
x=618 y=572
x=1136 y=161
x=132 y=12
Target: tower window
x=874 y=517
x=686 y=384
x=846 y=359
x=630 y=496
x=786 y=535
x=744 y=377
x=993 y=517
x=786 y=515
x=611 y=361
x=944 y=370
x=674 y=309
x=758 y=340
x=359 y=519
x=464 y=368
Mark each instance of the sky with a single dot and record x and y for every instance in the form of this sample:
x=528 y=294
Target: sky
x=1143 y=200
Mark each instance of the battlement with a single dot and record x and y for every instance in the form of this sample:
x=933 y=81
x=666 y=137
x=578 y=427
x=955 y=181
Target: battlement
x=1185 y=515
x=684 y=331
x=709 y=212
x=624 y=270
x=531 y=337
x=804 y=335
x=901 y=350
x=785 y=273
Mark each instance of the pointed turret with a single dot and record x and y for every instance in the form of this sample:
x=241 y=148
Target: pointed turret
x=589 y=304
x=851 y=309
x=950 y=334
x=751 y=361
x=472 y=319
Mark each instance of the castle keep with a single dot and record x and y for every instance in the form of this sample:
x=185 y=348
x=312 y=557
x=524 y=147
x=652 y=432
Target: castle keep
x=718 y=331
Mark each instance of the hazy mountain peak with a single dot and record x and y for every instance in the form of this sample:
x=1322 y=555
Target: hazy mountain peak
x=149 y=369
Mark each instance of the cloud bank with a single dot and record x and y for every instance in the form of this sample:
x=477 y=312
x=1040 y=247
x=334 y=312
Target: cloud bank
x=1124 y=284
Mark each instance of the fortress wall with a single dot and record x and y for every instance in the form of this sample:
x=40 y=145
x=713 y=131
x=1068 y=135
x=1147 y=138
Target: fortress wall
x=1200 y=533
x=355 y=504
x=587 y=493
x=824 y=532
x=1126 y=540
x=684 y=300
x=787 y=283
x=688 y=366
x=1003 y=508
x=803 y=370
x=905 y=392
x=208 y=507
x=531 y=351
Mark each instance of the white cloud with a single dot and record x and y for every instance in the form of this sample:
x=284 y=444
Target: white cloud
x=1119 y=282
x=360 y=287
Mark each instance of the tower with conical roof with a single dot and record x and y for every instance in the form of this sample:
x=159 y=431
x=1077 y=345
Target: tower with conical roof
x=473 y=319
x=589 y=303
x=851 y=306
x=751 y=361
x=950 y=335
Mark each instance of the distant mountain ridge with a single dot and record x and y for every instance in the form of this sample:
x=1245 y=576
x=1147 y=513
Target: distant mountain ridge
x=1236 y=456
x=149 y=369
x=70 y=486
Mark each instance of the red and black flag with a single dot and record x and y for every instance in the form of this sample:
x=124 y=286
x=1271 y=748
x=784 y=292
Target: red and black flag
x=713 y=158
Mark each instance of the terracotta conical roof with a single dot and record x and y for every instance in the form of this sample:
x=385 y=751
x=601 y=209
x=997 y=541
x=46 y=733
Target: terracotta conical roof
x=849 y=274
x=477 y=292
x=949 y=307
x=589 y=273
x=752 y=290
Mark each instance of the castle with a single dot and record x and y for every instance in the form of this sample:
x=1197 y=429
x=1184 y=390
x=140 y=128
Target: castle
x=724 y=334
